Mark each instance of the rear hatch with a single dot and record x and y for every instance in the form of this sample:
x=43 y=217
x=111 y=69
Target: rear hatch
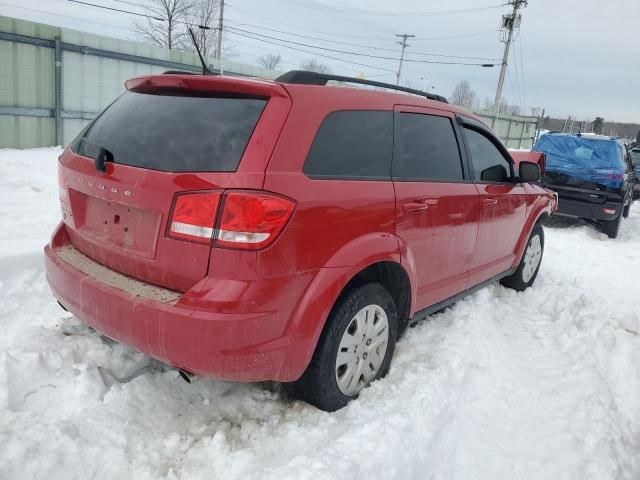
x=166 y=135
x=581 y=168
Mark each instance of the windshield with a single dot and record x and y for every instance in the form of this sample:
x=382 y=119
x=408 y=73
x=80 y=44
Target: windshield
x=635 y=156
x=186 y=133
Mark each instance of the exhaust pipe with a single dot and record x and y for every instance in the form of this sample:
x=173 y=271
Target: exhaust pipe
x=188 y=376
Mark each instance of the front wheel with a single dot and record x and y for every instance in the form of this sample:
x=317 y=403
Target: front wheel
x=355 y=348
x=527 y=270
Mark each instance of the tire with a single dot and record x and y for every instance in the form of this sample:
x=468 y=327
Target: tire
x=626 y=209
x=325 y=384
x=527 y=270
x=611 y=227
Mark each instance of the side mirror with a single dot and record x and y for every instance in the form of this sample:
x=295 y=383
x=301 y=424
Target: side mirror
x=497 y=173
x=529 y=172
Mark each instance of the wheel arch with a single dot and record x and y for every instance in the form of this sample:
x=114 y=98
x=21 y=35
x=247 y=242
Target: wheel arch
x=540 y=213
x=331 y=284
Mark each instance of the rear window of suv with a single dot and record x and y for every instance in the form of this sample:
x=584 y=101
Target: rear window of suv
x=352 y=144
x=173 y=133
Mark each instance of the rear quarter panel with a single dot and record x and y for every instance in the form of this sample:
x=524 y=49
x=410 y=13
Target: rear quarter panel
x=338 y=228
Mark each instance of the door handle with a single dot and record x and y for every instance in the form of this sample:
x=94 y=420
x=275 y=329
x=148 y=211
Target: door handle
x=414 y=206
x=489 y=201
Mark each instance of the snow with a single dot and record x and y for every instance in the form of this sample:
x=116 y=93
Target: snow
x=543 y=384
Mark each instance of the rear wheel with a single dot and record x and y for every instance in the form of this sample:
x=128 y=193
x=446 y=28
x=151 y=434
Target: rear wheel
x=611 y=227
x=355 y=348
x=626 y=209
x=527 y=270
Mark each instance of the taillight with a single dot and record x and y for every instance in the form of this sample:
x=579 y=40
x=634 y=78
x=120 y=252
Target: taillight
x=194 y=215
x=251 y=220
x=246 y=220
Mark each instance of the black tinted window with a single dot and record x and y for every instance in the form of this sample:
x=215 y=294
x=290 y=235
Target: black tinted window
x=173 y=133
x=352 y=144
x=488 y=162
x=427 y=148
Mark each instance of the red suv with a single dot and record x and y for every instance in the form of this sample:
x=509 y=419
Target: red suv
x=285 y=230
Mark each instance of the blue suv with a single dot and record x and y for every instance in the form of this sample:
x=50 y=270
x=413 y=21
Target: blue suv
x=592 y=175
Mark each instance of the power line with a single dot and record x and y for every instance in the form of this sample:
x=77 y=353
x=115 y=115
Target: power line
x=116 y=10
x=524 y=91
x=342 y=35
x=262 y=40
x=516 y=89
x=319 y=6
x=129 y=3
x=64 y=16
x=452 y=37
x=260 y=36
x=369 y=47
x=277 y=22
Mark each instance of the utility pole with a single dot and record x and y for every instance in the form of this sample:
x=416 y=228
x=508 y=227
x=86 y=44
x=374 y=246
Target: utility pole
x=220 y=27
x=510 y=22
x=404 y=44
x=539 y=121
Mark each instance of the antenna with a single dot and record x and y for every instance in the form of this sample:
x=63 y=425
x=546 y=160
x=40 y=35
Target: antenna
x=205 y=69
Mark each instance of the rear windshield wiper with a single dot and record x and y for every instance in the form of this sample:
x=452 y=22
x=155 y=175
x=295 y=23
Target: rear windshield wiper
x=102 y=157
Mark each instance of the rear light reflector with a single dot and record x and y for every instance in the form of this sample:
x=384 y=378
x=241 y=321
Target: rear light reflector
x=609 y=211
x=194 y=215
x=251 y=220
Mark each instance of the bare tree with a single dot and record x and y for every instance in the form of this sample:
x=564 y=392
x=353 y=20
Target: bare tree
x=535 y=111
x=202 y=17
x=463 y=96
x=504 y=109
x=512 y=109
x=164 y=25
x=313 y=65
x=270 y=61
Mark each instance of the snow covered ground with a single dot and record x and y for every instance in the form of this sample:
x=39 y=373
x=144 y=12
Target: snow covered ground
x=543 y=384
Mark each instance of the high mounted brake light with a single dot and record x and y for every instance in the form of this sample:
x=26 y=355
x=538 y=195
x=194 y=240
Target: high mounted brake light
x=246 y=220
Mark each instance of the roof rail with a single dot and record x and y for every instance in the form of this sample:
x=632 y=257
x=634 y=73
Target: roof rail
x=305 y=77
x=179 y=72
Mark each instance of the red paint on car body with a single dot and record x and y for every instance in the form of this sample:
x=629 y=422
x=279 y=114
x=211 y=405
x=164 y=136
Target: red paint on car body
x=256 y=314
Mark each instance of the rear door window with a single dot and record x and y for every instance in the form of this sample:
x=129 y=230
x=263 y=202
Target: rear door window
x=173 y=133
x=352 y=144
x=427 y=149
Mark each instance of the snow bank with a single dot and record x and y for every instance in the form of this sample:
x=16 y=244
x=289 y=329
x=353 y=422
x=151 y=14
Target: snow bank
x=540 y=384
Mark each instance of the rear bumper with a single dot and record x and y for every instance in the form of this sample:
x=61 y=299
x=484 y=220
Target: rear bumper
x=584 y=209
x=171 y=328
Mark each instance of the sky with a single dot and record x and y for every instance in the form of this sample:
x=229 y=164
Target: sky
x=570 y=57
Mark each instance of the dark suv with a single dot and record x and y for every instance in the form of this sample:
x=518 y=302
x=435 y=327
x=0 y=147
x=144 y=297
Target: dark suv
x=592 y=175
x=634 y=153
x=285 y=230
